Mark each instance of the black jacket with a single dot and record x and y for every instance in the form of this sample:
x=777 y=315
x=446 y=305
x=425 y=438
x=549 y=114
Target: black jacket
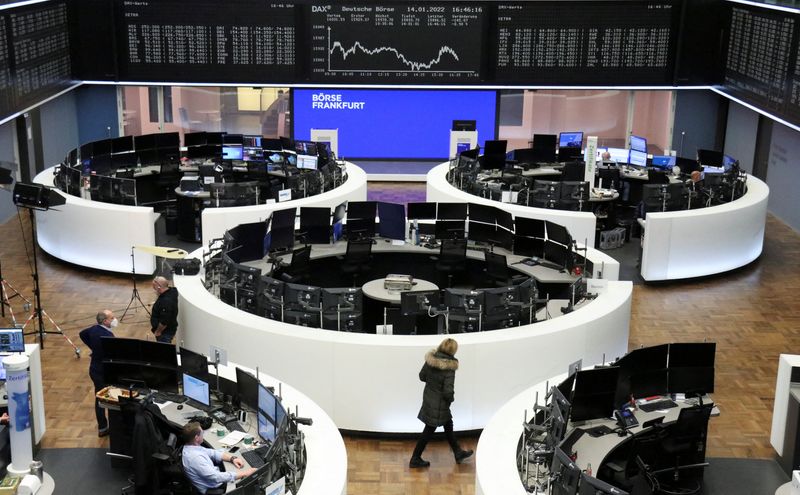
x=165 y=310
x=439 y=375
x=92 y=338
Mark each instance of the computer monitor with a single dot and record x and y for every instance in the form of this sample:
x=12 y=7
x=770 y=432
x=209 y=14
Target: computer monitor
x=558 y=233
x=590 y=485
x=302 y=296
x=392 y=223
x=315 y=225
x=232 y=152
x=451 y=211
x=529 y=227
x=247 y=277
x=619 y=155
x=558 y=254
x=361 y=209
x=545 y=142
x=267 y=402
x=528 y=246
x=574 y=196
x=473 y=153
x=710 y=158
x=637 y=158
x=595 y=394
x=482 y=213
x=691 y=367
x=122 y=144
x=307 y=162
x=463 y=299
x=194 y=364
x=663 y=162
x=418 y=302
x=570 y=139
x=643 y=373
x=566 y=474
x=247 y=389
x=342 y=299
x=495 y=146
x=266 y=429
x=158 y=353
x=12 y=340
x=421 y=211
x=449 y=229
x=483 y=232
x=638 y=143
x=196 y=389
x=499 y=299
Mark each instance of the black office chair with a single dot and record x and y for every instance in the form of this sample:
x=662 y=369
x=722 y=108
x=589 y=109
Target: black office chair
x=573 y=171
x=357 y=258
x=498 y=272
x=299 y=267
x=452 y=258
x=683 y=446
x=609 y=178
x=657 y=177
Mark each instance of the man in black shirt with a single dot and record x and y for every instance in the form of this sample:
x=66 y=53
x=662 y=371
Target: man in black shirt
x=164 y=319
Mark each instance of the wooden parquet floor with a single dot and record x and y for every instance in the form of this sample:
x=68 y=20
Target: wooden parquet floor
x=753 y=314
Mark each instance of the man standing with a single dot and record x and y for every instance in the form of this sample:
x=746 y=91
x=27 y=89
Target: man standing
x=91 y=337
x=199 y=462
x=164 y=319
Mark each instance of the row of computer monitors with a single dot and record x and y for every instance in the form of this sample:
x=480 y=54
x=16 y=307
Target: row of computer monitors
x=158 y=148
x=154 y=365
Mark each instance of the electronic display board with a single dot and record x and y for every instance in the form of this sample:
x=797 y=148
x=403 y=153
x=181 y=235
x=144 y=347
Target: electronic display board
x=424 y=42
x=207 y=41
x=624 y=43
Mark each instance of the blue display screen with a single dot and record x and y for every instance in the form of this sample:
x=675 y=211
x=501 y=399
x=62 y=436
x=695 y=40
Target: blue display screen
x=638 y=143
x=570 y=139
x=393 y=123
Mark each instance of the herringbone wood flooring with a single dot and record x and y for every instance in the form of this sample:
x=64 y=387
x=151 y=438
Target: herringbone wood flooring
x=753 y=314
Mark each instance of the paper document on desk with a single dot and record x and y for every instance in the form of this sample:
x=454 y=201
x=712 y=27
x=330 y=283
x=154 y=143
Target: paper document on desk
x=232 y=438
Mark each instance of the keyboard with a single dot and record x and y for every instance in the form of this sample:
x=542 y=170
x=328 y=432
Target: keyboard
x=657 y=405
x=162 y=397
x=255 y=457
x=234 y=426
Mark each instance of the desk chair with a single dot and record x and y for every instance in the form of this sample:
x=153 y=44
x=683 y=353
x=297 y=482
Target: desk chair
x=452 y=258
x=299 y=267
x=609 y=177
x=498 y=272
x=357 y=258
x=573 y=171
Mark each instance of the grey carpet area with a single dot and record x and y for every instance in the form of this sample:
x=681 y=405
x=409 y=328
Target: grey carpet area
x=82 y=471
x=726 y=476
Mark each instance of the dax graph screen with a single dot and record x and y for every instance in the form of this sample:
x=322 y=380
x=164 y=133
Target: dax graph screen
x=430 y=42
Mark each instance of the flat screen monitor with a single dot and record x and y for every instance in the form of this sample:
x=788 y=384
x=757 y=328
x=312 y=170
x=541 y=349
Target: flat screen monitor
x=710 y=158
x=421 y=211
x=566 y=473
x=452 y=211
x=464 y=125
x=643 y=373
x=196 y=389
x=529 y=227
x=663 y=162
x=570 y=139
x=194 y=364
x=342 y=299
x=232 y=152
x=449 y=229
x=284 y=218
x=558 y=233
x=483 y=232
x=545 y=142
x=418 y=302
x=307 y=162
x=122 y=144
x=12 y=340
x=247 y=389
x=565 y=387
x=638 y=143
x=303 y=296
x=194 y=139
x=482 y=213
x=691 y=367
x=392 y=221
x=158 y=353
x=281 y=239
x=473 y=153
x=361 y=209
x=505 y=220
x=528 y=246
x=266 y=401
x=315 y=224
x=266 y=429
x=305 y=148
x=595 y=394
x=280 y=416
x=496 y=146
x=619 y=155
x=592 y=486
x=271 y=144
x=637 y=158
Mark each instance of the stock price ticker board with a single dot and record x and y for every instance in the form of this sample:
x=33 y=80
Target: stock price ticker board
x=624 y=43
x=425 y=42
x=244 y=41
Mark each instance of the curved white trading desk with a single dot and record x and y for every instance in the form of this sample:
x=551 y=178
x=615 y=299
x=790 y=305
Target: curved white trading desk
x=215 y=221
x=705 y=241
x=369 y=382
x=580 y=224
x=96 y=234
x=326 y=456
x=100 y=235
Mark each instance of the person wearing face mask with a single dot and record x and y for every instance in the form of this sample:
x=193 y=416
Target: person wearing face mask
x=92 y=336
x=164 y=318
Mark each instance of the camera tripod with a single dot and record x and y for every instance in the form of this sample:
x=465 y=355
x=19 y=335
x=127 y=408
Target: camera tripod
x=5 y=300
x=135 y=296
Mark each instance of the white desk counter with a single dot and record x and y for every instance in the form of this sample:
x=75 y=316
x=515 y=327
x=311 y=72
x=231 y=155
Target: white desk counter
x=705 y=241
x=580 y=224
x=96 y=234
x=215 y=221
x=369 y=382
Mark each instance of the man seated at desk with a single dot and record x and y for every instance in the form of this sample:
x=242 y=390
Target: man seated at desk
x=199 y=463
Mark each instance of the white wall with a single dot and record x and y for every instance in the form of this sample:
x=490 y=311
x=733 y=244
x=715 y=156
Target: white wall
x=783 y=175
x=740 y=135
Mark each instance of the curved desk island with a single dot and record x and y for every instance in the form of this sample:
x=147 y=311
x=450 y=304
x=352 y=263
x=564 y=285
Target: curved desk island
x=581 y=224
x=99 y=235
x=368 y=382
x=705 y=241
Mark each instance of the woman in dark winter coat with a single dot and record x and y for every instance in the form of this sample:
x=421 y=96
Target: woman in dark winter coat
x=439 y=374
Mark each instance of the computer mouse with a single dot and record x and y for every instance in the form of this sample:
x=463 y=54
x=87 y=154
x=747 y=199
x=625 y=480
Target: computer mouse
x=180 y=406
